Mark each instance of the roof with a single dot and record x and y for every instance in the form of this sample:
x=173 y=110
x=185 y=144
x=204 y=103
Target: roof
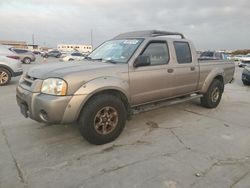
x=147 y=33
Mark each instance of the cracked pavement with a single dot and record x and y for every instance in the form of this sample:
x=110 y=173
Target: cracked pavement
x=184 y=145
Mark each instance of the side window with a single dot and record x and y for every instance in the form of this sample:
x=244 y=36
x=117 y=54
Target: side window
x=183 y=52
x=158 y=53
x=18 y=51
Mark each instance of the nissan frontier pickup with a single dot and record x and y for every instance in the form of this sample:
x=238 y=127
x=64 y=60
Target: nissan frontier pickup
x=131 y=73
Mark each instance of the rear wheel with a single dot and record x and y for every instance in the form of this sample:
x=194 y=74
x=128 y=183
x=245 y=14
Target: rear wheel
x=27 y=60
x=102 y=119
x=5 y=76
x=212 y=97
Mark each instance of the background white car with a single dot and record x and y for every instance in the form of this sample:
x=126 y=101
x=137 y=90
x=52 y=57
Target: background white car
x=245 y=61
x=75 y=56
x=10 y=65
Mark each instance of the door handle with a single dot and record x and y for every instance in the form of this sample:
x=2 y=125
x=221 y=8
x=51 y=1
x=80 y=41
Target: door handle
x=192 y=68
x=170 y=70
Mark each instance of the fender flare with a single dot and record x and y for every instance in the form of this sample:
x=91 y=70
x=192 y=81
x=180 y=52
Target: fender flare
x=7 y=68
x=211 y=76
x=102 y=84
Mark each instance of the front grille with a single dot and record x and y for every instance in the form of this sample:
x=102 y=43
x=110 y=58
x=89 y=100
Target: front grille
x=28 y=80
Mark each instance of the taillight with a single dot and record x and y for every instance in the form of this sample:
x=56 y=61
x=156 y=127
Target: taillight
x=13 y=57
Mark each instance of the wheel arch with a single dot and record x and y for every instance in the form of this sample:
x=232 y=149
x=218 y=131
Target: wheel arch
x=217 y=74
x=113 y=91
x=107 y=84
x=8 y=69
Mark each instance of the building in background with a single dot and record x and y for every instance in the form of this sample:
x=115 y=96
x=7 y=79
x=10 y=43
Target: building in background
x=32 y=47
x=15 y=44
x=74 y=47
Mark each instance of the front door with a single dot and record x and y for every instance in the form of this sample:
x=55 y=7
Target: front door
x=152 y=82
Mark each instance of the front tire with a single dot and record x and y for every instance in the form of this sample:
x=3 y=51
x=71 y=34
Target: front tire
x=102 y=119
x=5 y=77
x=212 y=97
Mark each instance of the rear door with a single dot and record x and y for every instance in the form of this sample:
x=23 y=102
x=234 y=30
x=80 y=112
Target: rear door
x=186 y=69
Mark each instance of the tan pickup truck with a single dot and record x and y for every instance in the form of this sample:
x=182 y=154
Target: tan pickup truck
x=130 y=73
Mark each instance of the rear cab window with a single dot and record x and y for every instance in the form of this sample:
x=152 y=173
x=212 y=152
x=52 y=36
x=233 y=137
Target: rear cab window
x=183 y=52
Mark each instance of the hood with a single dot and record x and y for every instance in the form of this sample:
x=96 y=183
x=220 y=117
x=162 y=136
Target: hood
x=78 y=73
x=60 y=70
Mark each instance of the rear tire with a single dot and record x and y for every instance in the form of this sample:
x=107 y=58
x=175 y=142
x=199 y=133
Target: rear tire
x=102 y=119
x=5 y=76
x=27 y=60
x=212 y=97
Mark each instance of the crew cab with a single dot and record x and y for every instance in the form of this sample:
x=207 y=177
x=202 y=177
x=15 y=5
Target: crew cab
x=133 y=72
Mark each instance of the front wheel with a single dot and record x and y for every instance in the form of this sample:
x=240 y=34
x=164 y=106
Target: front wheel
x=102 y=119
x=212 y=97
x=5 y=77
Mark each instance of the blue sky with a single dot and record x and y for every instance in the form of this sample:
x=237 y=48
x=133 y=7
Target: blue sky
x=221 y=24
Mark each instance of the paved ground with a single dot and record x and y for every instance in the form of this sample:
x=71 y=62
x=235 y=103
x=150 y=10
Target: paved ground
x=178 y=146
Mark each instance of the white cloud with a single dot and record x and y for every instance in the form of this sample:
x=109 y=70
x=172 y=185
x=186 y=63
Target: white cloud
x=213 y=24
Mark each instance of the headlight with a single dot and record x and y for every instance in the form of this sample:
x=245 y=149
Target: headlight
x=54 y=86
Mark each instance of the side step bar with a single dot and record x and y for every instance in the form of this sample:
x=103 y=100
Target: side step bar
x=156 y=105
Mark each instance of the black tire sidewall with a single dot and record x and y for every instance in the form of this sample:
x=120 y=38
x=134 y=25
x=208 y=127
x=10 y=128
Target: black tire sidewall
x=9 y=76
x=86 y=122
x=25 y=60
x=206 y=100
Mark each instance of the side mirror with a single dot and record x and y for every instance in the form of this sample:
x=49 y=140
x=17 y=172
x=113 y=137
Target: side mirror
x=142 y=60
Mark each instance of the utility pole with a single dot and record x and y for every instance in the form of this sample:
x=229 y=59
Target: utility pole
x=91 y=37
x=33 y=39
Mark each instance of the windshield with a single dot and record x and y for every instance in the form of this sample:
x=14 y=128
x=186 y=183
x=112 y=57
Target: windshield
x=118 y=51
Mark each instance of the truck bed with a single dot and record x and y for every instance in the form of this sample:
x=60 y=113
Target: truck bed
x=208 y=67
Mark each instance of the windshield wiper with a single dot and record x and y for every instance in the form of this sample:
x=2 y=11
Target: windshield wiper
x=105 y=60
x=88 y=58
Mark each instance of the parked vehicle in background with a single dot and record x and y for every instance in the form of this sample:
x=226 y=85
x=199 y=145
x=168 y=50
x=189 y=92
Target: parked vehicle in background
x=25 y=56
x=244 y=61
x=133 y=72
x=246 y=76
x=237 y=57
x=52 y=53
x=36 y=52
x=75 y=56
x=10 y=65
x=213 y=55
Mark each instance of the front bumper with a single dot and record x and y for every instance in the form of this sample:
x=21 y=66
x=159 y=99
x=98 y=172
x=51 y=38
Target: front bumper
x=48 y=108
x=15 y=74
